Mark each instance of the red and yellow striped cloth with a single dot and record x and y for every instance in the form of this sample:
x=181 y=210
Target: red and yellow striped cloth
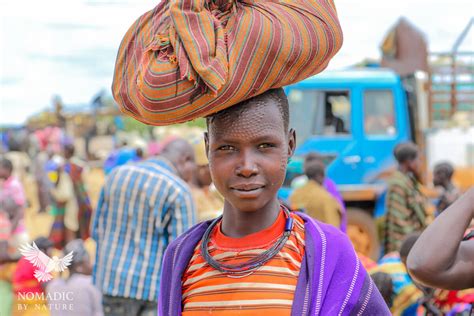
x=267 y=291
x=190 y=58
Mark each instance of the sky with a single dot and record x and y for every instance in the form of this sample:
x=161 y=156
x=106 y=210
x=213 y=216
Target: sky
x=68 y=48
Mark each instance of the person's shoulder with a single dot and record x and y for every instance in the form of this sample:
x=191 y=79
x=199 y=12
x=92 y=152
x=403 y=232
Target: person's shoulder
x=159 y=168
x=326 y=233
x=398 y=180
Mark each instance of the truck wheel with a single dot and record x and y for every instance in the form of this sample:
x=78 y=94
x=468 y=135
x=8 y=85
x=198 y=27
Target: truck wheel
x=362 y=231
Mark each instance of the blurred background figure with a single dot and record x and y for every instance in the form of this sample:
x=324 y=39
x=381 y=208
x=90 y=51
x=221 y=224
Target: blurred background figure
x=442 y=178
x=84 y=298
x=332 y=123
x=12 y=205
x=313 y=198
x=64 y=207
x=30 y=298
x=122 y=155
x=405 y=202
x=143 y=206
x=384 y=284
x=74 y=168
x=41 y=181
x=405 y=295
x=209 y=203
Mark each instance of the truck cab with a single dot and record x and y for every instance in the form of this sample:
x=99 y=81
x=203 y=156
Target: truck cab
x=354 y=118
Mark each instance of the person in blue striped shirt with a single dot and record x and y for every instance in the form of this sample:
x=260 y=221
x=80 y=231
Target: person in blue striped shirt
x=142 y=208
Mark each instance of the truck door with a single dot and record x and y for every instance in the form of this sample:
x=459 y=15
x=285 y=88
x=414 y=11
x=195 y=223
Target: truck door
x=385 y=124
x=323 y=120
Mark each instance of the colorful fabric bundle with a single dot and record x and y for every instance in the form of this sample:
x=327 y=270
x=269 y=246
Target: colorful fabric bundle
x=190 y=58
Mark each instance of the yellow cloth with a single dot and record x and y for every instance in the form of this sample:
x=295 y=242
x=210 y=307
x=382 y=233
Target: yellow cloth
x=317 y=202
x=64 y=193
x=200 y=153
x=209 y=203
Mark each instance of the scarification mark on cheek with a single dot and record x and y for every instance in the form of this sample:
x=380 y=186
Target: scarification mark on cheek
x=283 y=162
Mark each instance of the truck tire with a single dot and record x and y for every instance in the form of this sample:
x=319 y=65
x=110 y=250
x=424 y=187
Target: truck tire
x=362 y=231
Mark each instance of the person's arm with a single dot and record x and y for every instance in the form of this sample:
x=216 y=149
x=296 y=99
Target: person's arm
x=14 y=211
x=440 y=258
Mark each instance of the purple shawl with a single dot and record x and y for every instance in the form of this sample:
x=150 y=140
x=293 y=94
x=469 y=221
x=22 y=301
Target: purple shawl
x=332 y=281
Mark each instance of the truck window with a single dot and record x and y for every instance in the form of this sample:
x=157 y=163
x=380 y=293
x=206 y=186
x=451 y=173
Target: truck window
x=319 y=112
x=379 y=112
x=337 y=113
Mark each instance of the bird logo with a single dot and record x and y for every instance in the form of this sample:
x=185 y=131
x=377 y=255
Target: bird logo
x=43 y=263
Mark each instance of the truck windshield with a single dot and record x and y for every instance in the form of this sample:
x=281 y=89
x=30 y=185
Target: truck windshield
x=319 y=112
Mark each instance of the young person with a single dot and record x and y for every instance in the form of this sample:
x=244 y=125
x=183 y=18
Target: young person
x=259 y=258
x=313 y=197
x=442 y=178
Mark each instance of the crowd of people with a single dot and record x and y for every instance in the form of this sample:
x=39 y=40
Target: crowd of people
x=149 y=255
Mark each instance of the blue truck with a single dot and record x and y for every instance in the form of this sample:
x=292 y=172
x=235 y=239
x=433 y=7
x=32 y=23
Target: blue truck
x=354 y=118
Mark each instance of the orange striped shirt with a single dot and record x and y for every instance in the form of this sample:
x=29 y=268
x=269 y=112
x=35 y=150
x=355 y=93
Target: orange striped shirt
x=269 y=290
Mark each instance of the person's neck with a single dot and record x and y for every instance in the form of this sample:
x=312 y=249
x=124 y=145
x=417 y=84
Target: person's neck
x=317 y=181
x=237 y=224
x=403 y=169
x=447 y=185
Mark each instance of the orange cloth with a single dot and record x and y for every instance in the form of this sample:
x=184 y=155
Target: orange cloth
x=267 y=291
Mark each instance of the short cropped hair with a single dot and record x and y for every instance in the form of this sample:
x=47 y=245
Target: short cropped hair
x=384 y=283
x=446 y=168
x=312 y=156
x=278 y=95
x=314 y=168
x=406 y=152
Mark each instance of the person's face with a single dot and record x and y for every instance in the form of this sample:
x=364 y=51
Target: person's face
x=4 y=173
x=415 y=167
x=67 y=153
x=186 y=165
x=439 y=178
x=203 y=175
x=248 y=153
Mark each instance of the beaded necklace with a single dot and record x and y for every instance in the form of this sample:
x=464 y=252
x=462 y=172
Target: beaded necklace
x=252 y=264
